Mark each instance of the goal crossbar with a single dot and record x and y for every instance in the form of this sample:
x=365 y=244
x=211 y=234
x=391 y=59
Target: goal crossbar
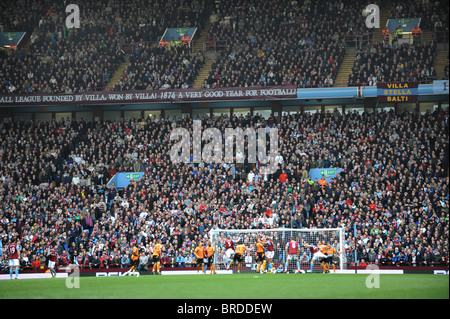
x=280 y=237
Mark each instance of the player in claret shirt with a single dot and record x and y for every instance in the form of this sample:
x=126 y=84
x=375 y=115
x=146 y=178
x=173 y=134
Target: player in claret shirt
x=14 y=255
x=270 y=252
x=52 y=254
x=292 y=252
x=238 y=256
x=316 y=254
x=229 y=249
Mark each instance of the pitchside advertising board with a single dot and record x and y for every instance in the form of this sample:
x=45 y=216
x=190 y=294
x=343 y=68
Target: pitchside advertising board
x=398 y=92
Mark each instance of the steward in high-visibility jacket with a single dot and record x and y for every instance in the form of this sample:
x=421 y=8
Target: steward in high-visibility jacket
x=185 y=40
x=323 y=182
x=399 y=33
x=416 y=31
x=163 y=43
x=385 y=33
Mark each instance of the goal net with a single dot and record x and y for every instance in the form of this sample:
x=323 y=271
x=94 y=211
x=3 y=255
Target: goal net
x=285 y=249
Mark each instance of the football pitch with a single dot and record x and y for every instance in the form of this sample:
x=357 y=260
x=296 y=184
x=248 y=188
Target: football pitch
x=234 y=286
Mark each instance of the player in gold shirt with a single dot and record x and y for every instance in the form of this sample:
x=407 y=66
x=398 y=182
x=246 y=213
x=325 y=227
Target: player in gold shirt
x=156 y=257
x=134 y=262
x=210 y=250
x=260 y=256
x=238 y=256
x=200 y=254
x=323 y=263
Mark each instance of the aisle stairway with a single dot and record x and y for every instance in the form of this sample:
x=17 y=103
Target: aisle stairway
x=204 y=71
x=200 y=41
x=117 y=76
x=346 y=68
x=440 y=61
x=209 y=56
x=427 y=36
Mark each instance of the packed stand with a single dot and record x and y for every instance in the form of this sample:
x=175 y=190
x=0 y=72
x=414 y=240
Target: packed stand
x=62 y=60
x=433 y=13
x=152 y=68
x=20 y=15
x=299 y=43
x=392 y=63
x=393 y=188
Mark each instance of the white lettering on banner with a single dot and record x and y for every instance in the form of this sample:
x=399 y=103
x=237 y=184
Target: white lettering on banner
x=27 y=99
x=234 y=93
x=56 y=98
x=95 y=97
x=6 y=99
x=116 y=97
x=150 y=96
x=191 y=95
x=145 y=96
x=278 y=92
x=167 y=95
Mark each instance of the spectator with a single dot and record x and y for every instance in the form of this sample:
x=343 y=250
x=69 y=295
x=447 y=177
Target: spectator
x=143 y=261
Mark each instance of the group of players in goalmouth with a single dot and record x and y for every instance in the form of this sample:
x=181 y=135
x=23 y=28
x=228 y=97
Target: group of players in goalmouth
x=325 y=254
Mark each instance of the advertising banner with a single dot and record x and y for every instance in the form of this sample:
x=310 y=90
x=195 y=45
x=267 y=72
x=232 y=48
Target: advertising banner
x=151 y=96
x=397 y=92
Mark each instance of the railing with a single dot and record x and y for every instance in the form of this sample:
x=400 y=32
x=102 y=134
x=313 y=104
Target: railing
x=423 y=81
x=215 y=45
x=442 y=36
x=130 y=48
x=358 y=39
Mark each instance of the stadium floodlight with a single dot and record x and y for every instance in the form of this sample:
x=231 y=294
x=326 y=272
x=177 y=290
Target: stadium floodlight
x=280 y=238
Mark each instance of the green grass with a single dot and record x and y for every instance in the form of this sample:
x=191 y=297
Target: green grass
x=236 y=286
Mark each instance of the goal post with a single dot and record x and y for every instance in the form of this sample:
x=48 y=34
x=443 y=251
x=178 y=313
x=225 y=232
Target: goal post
x=280 y=239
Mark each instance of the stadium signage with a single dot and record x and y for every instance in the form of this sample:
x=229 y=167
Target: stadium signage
x=108 y=274
x=397 y=92
x=330 y=172
x=151 y=96
x=133 y=176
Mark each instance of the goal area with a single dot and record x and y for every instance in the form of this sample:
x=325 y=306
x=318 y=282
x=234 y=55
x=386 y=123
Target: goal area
x=282 y=259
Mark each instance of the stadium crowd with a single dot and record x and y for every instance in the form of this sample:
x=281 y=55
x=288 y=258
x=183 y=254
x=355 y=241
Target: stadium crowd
x=433 y=14
x=289 y=42
x=393 y=187
x=53 y=175
x=297 y=43
x=393 y=63
x=155 y=69
x=63 y=60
